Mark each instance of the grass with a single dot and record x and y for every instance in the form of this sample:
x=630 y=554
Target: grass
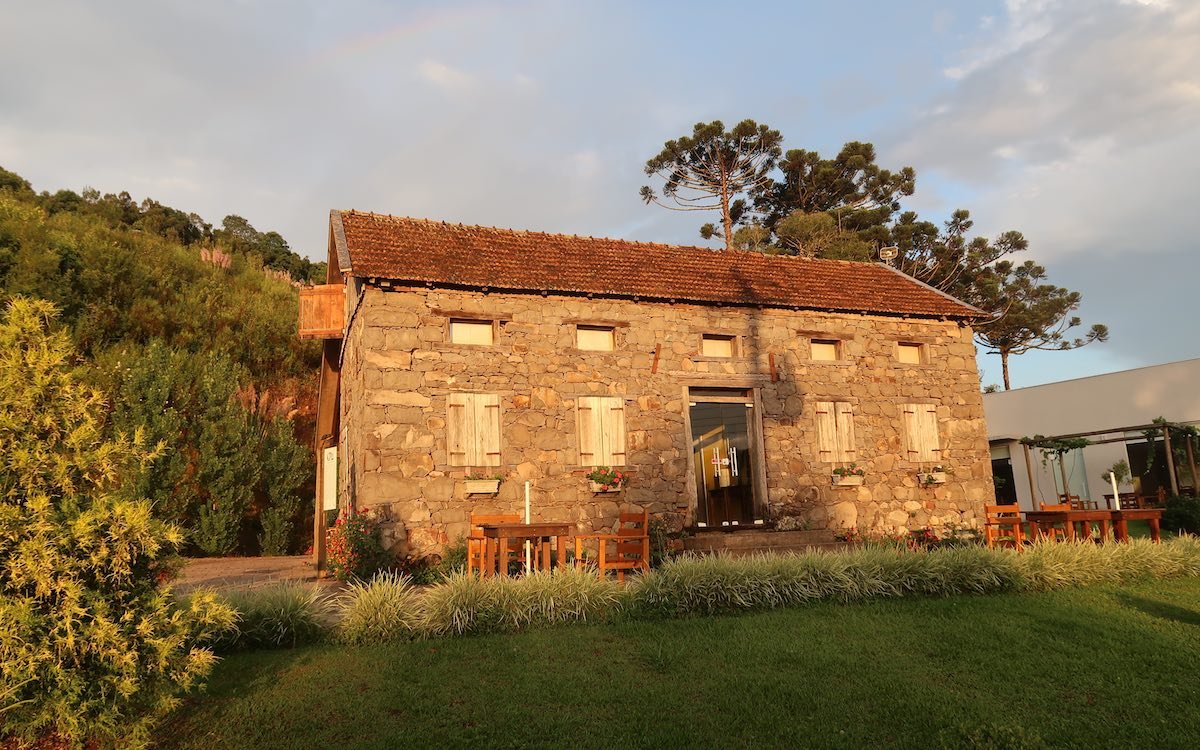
x=1105 y=666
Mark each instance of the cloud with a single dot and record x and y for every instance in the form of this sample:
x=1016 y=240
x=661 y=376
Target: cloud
x=1057 y=76
x=444 y=76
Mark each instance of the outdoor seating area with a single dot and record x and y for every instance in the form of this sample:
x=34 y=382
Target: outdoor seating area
x=497 y=544
x=1009 y=526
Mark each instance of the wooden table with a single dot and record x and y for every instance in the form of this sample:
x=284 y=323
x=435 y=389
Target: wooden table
x=1039 y=518
x=1123 y=517
x=497 y=535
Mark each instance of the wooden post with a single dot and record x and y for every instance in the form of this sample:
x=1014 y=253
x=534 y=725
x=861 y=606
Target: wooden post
x=1029 y=473
x=657 y=352
x=1170 y=460
x=1062 y=469
x=1192 y=466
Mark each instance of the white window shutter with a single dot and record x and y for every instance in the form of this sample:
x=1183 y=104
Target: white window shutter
x=586 y=422
x=910 y=420
x=845 y=432
x=930 y=441
x=460 y=429
x=826 y=417
x=614 y=431
x=487 y=420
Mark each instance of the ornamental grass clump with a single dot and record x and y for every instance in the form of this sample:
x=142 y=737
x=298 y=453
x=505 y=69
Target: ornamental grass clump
x=469 y=604
x=713 y=585
x=1046 y=565
x=381 y=610
x=282 y=615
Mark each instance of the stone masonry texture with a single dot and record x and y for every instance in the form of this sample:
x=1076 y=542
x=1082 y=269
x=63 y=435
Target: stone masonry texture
x=398 y=368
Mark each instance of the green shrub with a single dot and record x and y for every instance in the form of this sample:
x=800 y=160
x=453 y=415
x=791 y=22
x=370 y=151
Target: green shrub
x=354 y=549
x=92 y=650
x=276 y=535
x=378 y=611
x=470 y=604
x=1182 y=515
x=282 y=615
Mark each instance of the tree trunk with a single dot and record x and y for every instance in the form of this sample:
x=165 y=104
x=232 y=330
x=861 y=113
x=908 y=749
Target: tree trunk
x=1004 y=369
x=726 y=222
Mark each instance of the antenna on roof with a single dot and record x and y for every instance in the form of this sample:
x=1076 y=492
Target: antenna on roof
x=887 y=254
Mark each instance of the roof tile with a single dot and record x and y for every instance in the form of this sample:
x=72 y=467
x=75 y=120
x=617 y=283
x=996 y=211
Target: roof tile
x=421 y=250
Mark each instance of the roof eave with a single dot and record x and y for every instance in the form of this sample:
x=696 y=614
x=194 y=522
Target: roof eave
x=339 y=241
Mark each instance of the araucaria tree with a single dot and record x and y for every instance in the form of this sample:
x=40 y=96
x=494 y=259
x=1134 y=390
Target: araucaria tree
x=714 y=169
x=92 y=650
x=1030 y=314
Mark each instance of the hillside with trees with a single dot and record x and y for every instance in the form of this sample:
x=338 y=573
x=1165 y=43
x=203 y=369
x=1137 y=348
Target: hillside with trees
x=188 y=332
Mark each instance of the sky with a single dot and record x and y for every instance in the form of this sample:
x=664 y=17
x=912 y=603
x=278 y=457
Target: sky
x=1076 y=122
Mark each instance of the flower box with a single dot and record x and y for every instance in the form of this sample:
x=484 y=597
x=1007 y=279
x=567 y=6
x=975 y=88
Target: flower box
x=932 y=477
x=597 y=487
x=847 y=480
x=482 y=486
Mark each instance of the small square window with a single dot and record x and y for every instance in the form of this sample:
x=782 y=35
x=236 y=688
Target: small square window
x=713 y=345
x=595 y=338
x=911 y=354
x=826 y=350
x=476 y=332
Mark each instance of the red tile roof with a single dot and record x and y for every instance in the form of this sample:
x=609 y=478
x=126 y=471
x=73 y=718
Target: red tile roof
x=420 y=250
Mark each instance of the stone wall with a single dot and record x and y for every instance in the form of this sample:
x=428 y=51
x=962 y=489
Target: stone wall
x=399 y=367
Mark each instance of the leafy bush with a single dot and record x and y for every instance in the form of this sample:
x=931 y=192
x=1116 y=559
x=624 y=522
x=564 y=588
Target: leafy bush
x=378 y=611
x=354 y=549
x=1182 y=514
x=470 y=604
x=283 y=615
x=91 y=649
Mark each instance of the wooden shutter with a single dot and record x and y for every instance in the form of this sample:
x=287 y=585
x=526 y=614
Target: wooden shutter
x=473 y=429
x=930 y=442
x=921 y=432
x=613 y=430
x=586 y=423
x=460 y=428
x=827 y=445
x=845 y=432
x=487 y=441
x=601 y=425
x=835 y=431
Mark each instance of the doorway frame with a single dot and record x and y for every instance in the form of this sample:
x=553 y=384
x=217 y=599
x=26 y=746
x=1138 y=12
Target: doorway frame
x=758 y=450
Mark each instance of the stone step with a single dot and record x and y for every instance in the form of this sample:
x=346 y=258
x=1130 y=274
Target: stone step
x=756 y=539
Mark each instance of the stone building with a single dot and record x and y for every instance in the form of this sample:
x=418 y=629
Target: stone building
x=728 y=385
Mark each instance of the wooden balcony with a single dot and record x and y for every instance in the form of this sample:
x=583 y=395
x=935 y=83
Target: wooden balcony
x=322 y=311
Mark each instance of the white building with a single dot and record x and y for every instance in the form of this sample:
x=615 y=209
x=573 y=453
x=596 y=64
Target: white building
x=1110 y=410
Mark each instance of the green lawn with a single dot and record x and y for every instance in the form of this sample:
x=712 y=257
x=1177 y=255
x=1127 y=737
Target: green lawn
x=1099 y=667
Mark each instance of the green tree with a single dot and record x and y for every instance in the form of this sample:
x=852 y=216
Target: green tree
x=92 y=650
x=1030 y=314
x=712 y=167
x=855 y=191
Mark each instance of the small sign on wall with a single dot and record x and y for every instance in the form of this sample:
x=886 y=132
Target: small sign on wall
x=329 y=478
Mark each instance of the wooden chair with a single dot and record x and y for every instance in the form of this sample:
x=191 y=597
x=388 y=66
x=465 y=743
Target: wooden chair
x=631 y=546
x=999 y=518
x=1056 y=533
x=476 y=540
x=1131 y=501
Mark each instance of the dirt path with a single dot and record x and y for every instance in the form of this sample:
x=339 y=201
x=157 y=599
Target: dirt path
x=246 y=572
